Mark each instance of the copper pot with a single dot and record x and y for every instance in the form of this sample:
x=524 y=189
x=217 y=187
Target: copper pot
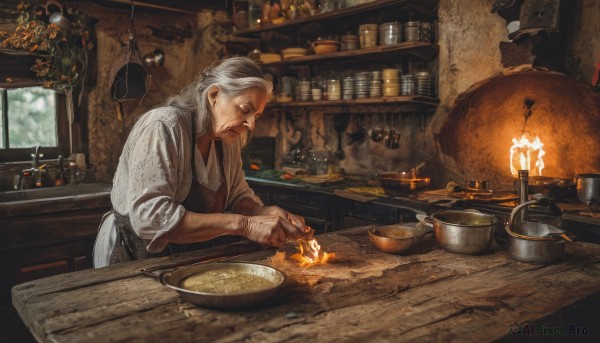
x=402 y=183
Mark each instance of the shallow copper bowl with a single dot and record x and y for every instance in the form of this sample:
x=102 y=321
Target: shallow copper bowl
x=396 y=239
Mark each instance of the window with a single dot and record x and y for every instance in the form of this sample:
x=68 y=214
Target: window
x=30 y=117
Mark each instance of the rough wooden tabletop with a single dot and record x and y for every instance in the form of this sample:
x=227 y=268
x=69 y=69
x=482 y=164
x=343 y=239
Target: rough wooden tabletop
x=363 y=295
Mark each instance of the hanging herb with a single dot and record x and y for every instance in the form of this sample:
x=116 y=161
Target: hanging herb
x=62 y=39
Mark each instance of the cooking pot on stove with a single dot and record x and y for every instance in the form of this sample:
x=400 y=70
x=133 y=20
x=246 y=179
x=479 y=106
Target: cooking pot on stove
x=535 y=242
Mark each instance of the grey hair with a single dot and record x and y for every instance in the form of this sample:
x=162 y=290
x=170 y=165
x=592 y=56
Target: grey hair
x=232 y=76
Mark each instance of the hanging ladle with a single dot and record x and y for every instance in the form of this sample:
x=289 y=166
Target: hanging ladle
x=340 y=122
x=395 y=140
x=375 y=132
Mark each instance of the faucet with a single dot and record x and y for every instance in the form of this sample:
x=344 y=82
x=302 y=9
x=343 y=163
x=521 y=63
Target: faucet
x=35 y=171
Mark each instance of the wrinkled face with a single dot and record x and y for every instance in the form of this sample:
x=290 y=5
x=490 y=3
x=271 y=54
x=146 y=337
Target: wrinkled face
x=231 y=116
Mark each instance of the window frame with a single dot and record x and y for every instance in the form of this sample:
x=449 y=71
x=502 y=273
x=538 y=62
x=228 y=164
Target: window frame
x=62 y=133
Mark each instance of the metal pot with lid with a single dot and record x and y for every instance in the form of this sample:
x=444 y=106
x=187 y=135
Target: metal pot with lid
x=535 y=242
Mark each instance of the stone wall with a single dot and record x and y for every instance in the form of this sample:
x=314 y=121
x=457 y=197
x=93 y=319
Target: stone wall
x=191 y=42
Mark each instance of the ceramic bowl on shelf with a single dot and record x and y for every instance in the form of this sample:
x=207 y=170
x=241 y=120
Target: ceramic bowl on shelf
x=270 y=58
x=325 y=46
x=293 y=53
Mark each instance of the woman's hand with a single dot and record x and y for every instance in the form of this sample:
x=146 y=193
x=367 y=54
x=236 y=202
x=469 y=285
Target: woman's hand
x=297 y=221
x=273 y=225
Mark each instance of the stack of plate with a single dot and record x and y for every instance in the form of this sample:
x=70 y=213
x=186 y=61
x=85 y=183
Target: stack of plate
x=375 y=85
x=270 y=58
x=293 y=53
x=408 y=84
x=423 y=86
x=361 y=83
x=349 y=42
x=303 y=89
x=389 y=33
x=391 y=84
x=348 y=87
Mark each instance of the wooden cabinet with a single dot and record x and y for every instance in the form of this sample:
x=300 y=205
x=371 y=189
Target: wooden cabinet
x=36 y=246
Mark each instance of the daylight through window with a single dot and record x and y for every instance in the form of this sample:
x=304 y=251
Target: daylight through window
x=29 y=118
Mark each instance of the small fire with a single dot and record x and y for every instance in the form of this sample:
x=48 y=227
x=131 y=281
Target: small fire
x=310 y=254
x=523 y=152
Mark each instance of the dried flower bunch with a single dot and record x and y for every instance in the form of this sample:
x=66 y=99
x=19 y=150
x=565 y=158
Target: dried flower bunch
x=61 y=39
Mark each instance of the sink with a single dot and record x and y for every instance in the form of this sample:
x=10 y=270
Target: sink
x=54 y=192
x=55 y=199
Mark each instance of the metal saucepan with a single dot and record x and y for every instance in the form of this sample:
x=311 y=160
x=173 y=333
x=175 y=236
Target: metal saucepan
x=588 y=188
x=533 y=242
x=464 y=232
x=224 y=284
x=397 y=239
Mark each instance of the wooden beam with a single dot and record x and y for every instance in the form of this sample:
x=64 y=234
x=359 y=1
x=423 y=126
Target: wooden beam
x=190 y=6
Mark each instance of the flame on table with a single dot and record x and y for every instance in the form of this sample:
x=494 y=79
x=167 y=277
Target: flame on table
x=523 y=152
x=312 y=255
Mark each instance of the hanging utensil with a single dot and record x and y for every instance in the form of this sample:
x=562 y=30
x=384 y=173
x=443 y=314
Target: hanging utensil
x=340 y=122
x=375 y=132
x=356 y=131
x=395 y=139
x=70 y=115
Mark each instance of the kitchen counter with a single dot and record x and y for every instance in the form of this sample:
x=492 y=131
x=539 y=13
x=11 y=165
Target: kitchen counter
x=55 y=199
x=363 y=295
x=580 y=219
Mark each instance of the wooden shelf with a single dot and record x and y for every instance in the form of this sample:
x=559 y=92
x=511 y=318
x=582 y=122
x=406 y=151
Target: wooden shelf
x=396 y=100
x=15 y=68
x=422 y=50
x=421 y=6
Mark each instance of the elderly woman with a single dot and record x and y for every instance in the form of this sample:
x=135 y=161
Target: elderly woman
x=179 y=180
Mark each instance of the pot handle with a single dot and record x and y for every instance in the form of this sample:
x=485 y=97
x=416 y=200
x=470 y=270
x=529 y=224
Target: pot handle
x=161 y=276
x=547 y=202
x=538 y=200
x=425 y=219
x=156 y=273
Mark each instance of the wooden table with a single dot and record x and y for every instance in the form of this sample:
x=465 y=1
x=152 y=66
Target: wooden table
x=364 y=295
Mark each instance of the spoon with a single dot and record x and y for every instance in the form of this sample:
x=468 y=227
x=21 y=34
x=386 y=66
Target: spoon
x=395 y=142
x=551 y=231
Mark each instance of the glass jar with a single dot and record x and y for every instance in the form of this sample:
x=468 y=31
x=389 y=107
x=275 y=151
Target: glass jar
x=255 y=8
x=334 y=89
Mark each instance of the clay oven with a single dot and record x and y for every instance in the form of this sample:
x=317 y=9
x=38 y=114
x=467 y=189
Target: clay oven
x=562 y=112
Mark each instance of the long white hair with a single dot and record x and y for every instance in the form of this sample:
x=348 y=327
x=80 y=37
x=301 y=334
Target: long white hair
x=232 y=76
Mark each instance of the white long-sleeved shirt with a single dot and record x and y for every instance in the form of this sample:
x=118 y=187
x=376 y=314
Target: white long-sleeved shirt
x=153 y=178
